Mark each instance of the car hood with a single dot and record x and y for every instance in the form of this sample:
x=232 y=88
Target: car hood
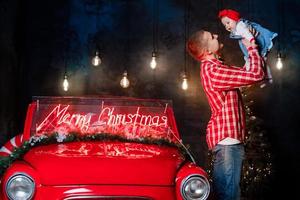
x=105 y=163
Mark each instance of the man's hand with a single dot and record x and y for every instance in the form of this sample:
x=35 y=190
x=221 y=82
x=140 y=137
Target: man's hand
x=248 y=44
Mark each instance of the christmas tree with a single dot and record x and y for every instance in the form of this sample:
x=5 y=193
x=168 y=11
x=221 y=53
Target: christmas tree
x=257 y=165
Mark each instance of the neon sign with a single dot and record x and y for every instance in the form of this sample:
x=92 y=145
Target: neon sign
x=62 y=116
x=135 y=119
x=126 y=121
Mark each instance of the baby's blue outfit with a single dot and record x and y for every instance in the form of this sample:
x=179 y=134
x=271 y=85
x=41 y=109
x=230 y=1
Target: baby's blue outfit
x=264 y=39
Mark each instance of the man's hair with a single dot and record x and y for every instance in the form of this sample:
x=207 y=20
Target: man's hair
x=197 y=45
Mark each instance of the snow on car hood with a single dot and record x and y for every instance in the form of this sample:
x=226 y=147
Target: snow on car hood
x=105 y=163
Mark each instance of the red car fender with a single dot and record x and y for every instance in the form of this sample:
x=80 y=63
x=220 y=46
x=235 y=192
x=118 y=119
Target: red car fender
x=186 y=170
x=19 y=167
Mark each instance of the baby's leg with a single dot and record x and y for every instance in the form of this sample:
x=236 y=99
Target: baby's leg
x=269 y=77
x=268 y=71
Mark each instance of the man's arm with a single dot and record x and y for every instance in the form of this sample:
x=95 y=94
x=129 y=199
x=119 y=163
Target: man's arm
x=224 y=77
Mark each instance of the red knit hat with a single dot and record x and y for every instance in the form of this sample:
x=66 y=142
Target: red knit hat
x=232 y=14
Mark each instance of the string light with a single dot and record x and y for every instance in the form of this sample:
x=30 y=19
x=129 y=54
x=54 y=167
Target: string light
x=66 y=83
x=279 y=64
x=153 y=62
x=96 y=61
x=125 y=81
x=184 y=84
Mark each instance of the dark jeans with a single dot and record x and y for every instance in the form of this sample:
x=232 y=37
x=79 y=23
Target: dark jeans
x=227 y=171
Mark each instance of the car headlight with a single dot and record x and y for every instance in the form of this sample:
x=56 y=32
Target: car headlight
x=195 y=187
x=20 y=187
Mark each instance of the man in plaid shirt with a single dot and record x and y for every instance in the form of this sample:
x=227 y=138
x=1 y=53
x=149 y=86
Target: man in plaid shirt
x=226 y=128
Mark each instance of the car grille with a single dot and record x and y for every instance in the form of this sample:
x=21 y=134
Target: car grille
x=106 y=198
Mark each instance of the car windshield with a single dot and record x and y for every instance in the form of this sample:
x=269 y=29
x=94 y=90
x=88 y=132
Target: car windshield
x=126 y=117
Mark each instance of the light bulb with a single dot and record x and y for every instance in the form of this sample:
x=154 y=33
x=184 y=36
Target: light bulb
x=184 y=84
x=96 y=61
x=153 y=61
x=279 y=64
x=124 y=81
x=66 y=83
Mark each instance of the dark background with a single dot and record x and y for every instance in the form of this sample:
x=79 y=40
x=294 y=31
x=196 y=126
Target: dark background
x=40 y=39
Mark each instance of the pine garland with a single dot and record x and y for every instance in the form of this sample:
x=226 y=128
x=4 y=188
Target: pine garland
x=55 y=138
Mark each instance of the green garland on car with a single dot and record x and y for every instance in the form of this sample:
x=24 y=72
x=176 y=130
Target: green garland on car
x=54 y=138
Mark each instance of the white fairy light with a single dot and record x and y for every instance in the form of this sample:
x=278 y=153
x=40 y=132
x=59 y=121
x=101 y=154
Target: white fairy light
x=184 y=84
x=96 y=61
x=153 y=62
x=66 y=83
x=279 y=64
x=124 y=81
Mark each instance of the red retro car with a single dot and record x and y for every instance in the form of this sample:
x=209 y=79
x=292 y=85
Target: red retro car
x=100 y=148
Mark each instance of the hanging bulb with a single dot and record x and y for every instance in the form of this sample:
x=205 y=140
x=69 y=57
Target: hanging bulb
x=279 y=64
x=96 y=61
x=124 y=81
x=184 y=84
x=66 y=83
x=153 y=61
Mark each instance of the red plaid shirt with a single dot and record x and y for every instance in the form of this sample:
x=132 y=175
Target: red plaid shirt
x=221 y=84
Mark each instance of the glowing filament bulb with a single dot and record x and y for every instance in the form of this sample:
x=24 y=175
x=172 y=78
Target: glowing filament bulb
x=153 y=61
x=96 y=61
x=184 y=84
x=66 y=83
x=124 y=81
x=279 y=64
